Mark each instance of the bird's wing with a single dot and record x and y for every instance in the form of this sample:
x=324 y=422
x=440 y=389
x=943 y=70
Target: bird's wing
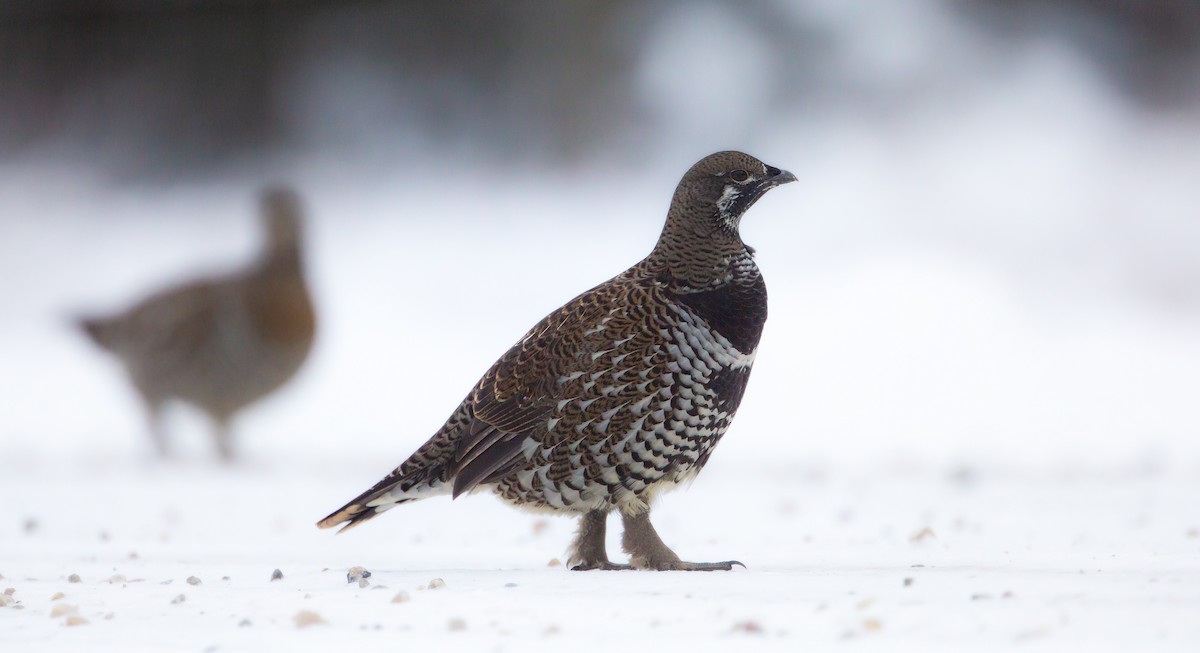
x=513 y=401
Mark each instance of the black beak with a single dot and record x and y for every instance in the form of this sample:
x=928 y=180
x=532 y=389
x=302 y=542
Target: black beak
x=776 y=177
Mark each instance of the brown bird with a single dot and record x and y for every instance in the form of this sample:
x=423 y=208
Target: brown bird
x=620 y=394
x=220 y=343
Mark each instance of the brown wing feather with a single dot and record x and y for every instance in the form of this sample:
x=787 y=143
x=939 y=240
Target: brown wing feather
x=516 y=397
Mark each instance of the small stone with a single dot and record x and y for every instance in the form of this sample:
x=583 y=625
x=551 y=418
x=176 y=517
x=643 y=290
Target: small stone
x=437 y=583
x=192 y=580
x=750 y=627
x=401 y=597
x=554 y=562
x=116 y=578
x=75 y=620
x=6 y=600
x=133 y=555
x=57 y=596
x=179 y=599
x=872 y=625
x=276 y=575
x=922 y=535
x=62 y=609
x=551 y=630
x=167 y=581
x=31 y=525
x=457 y=624
x=981 y=596
x=244 y=623
x=73 y=578
x=908 y=582
x=1007 y=594
x=10 y=591
x=109 y=616
x=306 y=618
x=224 y=577
x=356 y=574
x=510 y=584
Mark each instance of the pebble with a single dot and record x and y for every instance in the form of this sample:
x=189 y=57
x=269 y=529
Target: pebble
x=357 y=575
x=437 y=583
x=554 y=562
x=276 y=575
x=62 y=609
x=179 y=599
x=75 y=620
x=73 y=578
x=244 y=623
x=57 y=596
x=401 y=597
x=192 y=580
x=751 y=627
x=457 y=624
x=306 y=618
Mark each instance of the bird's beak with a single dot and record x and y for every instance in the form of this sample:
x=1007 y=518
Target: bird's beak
x=778 y=179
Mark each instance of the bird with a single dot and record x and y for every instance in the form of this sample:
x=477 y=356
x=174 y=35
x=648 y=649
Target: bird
x=220 y=343
x=621 y=393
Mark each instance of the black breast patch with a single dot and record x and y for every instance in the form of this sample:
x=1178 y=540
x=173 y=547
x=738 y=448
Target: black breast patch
x=736 y=310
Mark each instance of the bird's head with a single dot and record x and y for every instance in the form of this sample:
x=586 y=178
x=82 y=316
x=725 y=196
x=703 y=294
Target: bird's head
x=281 y=213
x=701 y=233
x=282 y=220
x=721 y=187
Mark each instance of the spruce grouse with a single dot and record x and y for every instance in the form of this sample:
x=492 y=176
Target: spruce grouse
x=620 y=394
x=220 y=343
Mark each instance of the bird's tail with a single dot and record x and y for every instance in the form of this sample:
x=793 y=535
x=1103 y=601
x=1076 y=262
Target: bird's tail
x=401 y=486
x=98 y=329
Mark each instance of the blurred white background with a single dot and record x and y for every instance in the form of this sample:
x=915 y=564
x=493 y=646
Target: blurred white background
x=992 y=256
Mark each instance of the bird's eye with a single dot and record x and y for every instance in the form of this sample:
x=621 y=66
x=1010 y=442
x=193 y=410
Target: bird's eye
x=739 y=175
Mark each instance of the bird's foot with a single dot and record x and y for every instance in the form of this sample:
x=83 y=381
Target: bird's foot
x=699 y=566
x=681 y=565
x=600 y=565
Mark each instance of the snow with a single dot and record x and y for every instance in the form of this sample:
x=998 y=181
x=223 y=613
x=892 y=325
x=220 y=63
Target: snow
x=887 y=558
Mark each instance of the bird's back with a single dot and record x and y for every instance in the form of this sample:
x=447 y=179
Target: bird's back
x=219 y=343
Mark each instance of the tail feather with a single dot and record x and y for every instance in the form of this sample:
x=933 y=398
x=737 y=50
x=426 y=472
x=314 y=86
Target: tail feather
x=96 y=329
x=352 y=514
x=393 y=490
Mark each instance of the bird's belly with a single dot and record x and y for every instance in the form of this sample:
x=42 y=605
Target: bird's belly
x=635 y=446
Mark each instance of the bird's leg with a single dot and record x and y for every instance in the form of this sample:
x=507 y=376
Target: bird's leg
x=224 y=437
x=647 y=551
x=158 y=435
x=588 y=551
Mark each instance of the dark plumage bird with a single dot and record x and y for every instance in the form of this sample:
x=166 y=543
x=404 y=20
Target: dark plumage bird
x=620 y=394
x=220 y=343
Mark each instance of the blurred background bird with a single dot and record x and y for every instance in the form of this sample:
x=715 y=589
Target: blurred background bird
x=224 y=342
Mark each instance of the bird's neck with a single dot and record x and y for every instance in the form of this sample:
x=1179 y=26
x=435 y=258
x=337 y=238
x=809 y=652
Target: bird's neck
x=701 y=258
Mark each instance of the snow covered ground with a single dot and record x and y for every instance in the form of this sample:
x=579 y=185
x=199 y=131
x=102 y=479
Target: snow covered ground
x=871 y=558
